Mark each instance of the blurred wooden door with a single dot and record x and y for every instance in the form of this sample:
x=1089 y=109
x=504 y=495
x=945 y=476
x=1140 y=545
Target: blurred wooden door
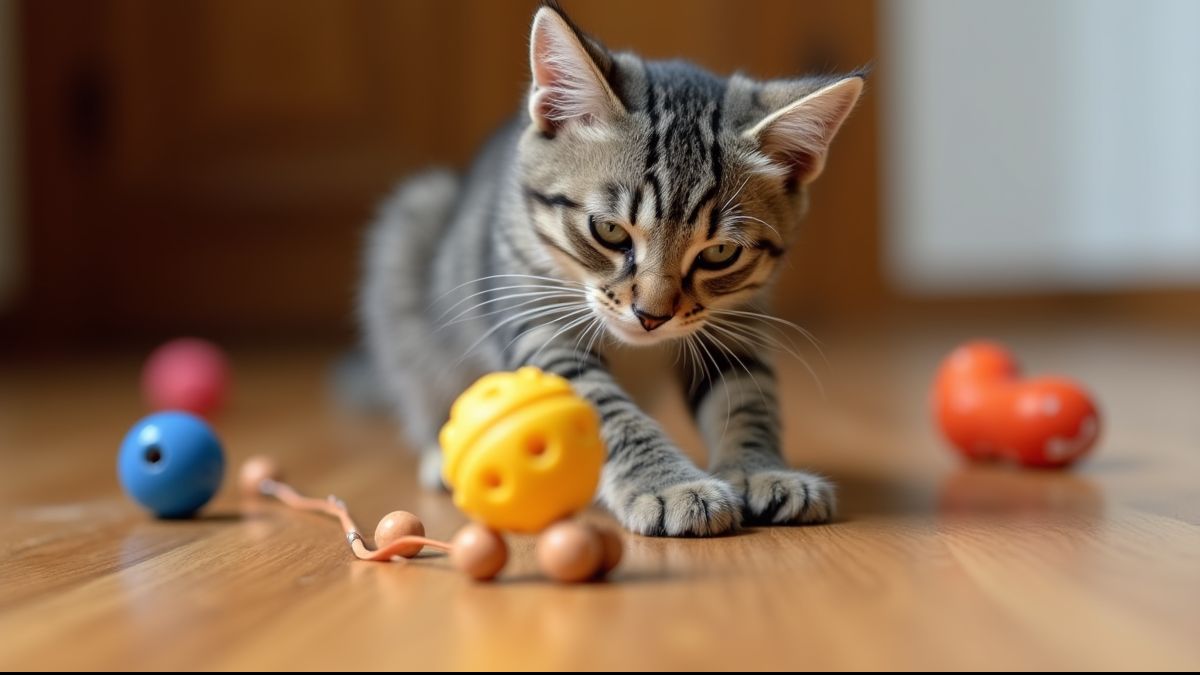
x=208 y=165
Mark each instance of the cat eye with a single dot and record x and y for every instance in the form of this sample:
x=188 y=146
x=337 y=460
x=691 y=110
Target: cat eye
x=610 y=234
x=718 y=256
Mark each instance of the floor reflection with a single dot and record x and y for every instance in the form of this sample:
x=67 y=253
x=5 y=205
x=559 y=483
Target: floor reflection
x=1007 y=490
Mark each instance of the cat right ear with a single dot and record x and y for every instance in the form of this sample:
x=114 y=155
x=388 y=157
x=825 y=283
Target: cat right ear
x=569 y=86
x=798 y=135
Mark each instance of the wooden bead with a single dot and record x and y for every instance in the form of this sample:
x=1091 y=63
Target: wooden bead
x=479 y=552
x=254 y=471
x=610 y=543
x=570 y=551
x=399 y=524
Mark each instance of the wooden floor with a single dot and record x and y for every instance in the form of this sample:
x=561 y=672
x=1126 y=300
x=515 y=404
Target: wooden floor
x=931 y=565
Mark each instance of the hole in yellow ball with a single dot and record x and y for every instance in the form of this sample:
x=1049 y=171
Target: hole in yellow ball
x=535 y=446
x=491 y=479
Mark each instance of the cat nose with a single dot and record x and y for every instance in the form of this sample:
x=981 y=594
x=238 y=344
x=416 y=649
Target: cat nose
x=649 y=321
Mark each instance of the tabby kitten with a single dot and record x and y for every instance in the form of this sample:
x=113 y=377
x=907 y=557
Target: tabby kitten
x=634 y=202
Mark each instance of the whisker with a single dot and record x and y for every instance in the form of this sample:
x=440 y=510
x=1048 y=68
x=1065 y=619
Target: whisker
x=693 y=359
x=536 y=297
x=558 y=332
x=696 y=362
x=763 y=340
x=774 y=319
x=743 y=217
x=735 y=193
x=724 y=385
x=583 y=334
x=770 y=342
x=678 y=353
x=544 y=287
x=598 y=337
x=735 y=357
x=568 y=315
x=535 y=313
x=552 y=280
x=768 y=317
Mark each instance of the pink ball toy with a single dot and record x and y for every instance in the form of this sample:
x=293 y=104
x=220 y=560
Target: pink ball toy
x=186 y=374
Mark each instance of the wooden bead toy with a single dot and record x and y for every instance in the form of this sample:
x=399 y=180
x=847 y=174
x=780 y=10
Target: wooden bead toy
x=523 y=453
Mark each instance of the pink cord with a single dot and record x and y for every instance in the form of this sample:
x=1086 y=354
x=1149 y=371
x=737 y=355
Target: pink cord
x=337 y=508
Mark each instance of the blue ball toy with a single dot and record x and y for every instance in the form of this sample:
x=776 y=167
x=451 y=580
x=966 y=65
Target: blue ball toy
x=171 y=463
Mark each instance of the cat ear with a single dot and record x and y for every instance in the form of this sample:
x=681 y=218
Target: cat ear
x=568 y=75
x=797 y=136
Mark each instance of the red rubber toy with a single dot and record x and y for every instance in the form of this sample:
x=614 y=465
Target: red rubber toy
x=987 y=411
x=186 y=374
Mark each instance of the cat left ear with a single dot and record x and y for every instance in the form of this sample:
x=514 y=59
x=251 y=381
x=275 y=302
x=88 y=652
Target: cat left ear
x=569 y=85
x=798 y=135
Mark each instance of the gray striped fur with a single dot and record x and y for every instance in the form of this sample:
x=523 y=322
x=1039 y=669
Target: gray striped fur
x=504 y=268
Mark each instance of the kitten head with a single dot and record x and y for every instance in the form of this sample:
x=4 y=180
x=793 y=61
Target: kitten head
x=669 y=192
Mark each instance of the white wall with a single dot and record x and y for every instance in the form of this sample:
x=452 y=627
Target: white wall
x=9 y=207
x=1037 y=145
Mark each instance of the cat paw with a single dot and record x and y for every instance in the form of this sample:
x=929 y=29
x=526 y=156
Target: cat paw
x=785 y=496
x=698 y=508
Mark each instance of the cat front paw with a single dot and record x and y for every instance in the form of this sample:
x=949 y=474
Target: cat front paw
x=697 y=508
x=784 y=496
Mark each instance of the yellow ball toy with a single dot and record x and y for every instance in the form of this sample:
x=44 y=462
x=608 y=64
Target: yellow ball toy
x=521 y=450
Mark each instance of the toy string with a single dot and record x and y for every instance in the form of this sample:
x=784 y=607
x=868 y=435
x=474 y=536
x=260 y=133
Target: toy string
x=335 y=507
